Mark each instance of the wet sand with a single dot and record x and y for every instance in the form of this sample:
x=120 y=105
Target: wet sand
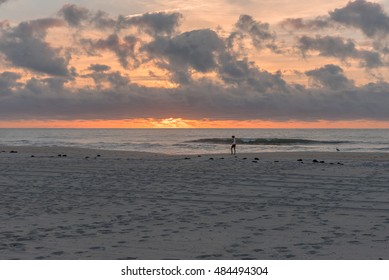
x=68 y=203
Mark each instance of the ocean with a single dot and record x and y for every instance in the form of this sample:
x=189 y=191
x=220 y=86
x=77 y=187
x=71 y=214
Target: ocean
x=203 y=141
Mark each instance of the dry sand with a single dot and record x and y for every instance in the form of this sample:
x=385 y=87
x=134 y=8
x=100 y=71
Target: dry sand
x=125 y=205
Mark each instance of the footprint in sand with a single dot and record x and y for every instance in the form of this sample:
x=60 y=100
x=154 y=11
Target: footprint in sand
x=258 y=250
x=241 y=255
x=17 y=245
x=289 y=256
x=97 y=248
x=281 y=249
x=209 y=256
x=203 y=256
x=231 y=251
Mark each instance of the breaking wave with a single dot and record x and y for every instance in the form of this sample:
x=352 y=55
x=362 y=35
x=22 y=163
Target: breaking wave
x=266 y=141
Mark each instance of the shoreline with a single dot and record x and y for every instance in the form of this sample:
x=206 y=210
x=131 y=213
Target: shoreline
x=266 y=154
x=76 y=203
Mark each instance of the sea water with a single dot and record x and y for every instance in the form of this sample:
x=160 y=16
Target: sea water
x=203 y=141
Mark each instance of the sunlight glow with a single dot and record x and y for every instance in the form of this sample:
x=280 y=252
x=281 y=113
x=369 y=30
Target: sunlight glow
x=204 y=123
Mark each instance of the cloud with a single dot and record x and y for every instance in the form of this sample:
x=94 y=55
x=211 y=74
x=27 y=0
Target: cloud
x=25 y=46
x=330 y=76
x=36 y=99
x=124 y=48
x=100 y=75
x=367 y=16
x=371 y=59
x=44 y=87
x=99 y=67
x=154 y=24
x=340 y=48
x=3 y=1
x=306 y=24
x=103 y=21
x=204 y=51
x=243 y=73
x=163 y=23
x=8 y=80
x=257 y=31
x=196 y=50
x=327 y=46
x=73 y=14
x=127 y=32
x=78 y=16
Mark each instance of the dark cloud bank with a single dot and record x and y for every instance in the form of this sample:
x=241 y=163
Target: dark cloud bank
x=241 y=91
x=368 y=17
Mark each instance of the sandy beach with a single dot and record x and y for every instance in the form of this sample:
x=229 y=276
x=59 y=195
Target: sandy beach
x=69 y=203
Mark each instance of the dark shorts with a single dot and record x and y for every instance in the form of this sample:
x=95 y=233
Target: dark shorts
x=233 y=145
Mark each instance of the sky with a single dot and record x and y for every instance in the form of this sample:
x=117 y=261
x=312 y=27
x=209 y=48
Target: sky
x=215 y=63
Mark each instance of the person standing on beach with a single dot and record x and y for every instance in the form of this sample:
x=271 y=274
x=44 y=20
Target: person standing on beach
x=233 y=146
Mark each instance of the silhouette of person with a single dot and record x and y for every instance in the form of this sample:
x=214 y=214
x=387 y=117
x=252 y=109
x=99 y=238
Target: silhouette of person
x=233 y=146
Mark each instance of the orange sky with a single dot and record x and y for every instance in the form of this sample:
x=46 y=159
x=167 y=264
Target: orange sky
x=181 y=123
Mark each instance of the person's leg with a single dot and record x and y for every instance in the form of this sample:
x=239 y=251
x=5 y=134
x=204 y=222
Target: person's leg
x=233 y=149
